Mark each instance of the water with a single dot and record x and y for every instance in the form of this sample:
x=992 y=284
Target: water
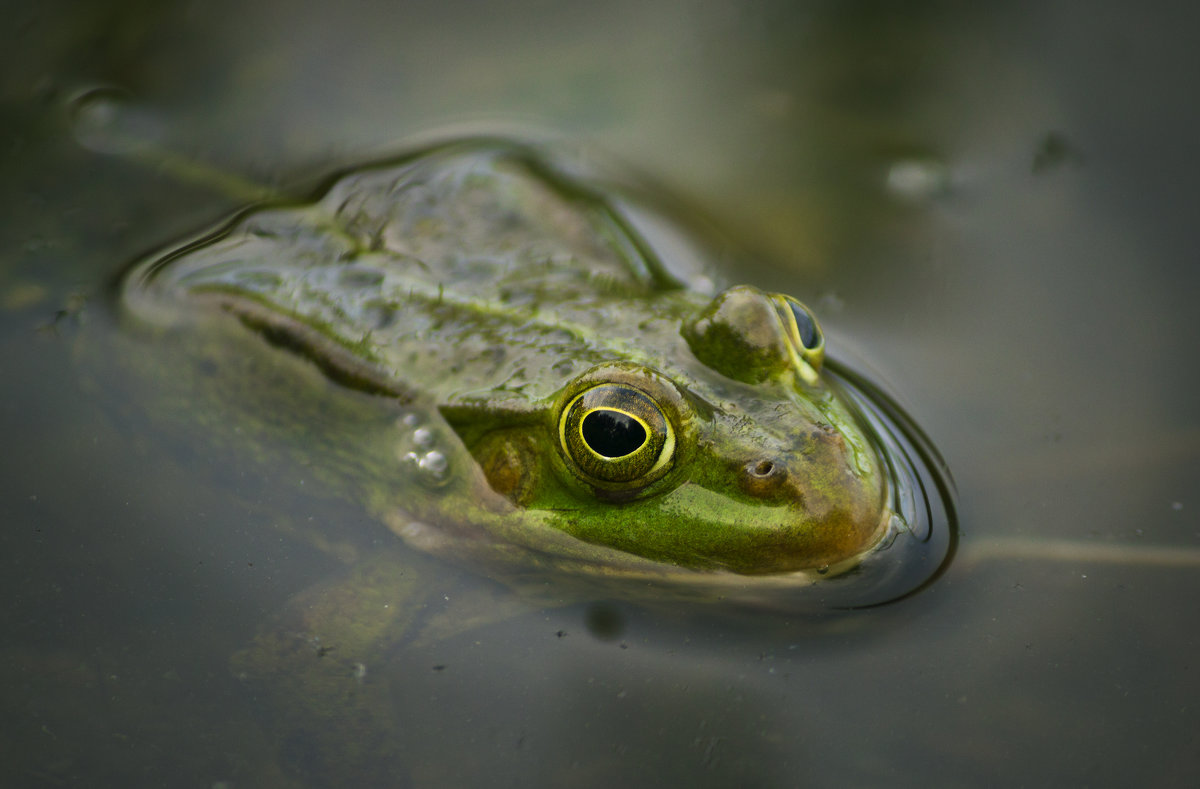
x=993 y=208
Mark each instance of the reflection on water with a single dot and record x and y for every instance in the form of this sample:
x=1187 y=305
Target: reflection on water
x=1029 y=299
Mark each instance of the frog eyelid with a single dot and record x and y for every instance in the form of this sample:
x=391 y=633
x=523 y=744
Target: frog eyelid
x=665 y=455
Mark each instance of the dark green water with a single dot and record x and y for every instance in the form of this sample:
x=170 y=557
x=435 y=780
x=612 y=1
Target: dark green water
x=995 y=208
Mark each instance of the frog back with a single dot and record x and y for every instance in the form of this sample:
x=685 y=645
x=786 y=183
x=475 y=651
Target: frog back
x=470 y=271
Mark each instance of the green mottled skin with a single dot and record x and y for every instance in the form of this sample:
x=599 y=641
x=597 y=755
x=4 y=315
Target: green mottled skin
x=480 y=289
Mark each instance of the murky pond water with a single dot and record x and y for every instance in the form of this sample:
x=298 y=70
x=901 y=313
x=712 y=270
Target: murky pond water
x=991 y=210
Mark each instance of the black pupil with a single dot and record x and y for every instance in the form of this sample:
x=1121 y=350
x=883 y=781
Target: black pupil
x=612 y=433
x=806 y=325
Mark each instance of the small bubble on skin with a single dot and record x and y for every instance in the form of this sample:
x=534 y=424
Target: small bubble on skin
x=410 y=420
x=423 y=437
x=434 y=464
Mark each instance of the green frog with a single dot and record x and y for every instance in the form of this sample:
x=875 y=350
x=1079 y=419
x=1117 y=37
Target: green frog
x=557 y=393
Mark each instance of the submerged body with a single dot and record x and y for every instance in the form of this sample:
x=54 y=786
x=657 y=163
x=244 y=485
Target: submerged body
x=556 y=379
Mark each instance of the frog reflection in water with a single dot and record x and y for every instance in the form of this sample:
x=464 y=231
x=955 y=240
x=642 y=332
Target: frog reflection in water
x=562 y=399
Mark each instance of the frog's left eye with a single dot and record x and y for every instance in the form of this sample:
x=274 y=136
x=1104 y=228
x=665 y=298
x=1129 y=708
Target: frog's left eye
x=803 y=332
x=616 y=434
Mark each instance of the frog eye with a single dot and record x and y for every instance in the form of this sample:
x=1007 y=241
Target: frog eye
x=804 y=335
x=617 y=434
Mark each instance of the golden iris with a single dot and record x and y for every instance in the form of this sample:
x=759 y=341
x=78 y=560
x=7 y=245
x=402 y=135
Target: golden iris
x=617 y=434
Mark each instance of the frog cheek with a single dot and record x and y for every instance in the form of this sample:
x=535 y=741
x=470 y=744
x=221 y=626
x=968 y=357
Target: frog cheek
x=508 y=460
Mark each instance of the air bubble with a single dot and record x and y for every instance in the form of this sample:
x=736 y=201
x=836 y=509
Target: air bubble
x=431 y=467
x=434 y=464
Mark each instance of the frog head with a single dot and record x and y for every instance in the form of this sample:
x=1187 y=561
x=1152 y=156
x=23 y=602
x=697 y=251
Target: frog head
x=734 y=452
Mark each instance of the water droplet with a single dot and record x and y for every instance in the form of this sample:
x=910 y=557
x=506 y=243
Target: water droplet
x=423 y=437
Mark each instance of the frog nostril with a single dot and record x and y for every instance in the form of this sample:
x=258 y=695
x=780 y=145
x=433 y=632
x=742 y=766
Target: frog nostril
x=762 y=468
x=765 y=479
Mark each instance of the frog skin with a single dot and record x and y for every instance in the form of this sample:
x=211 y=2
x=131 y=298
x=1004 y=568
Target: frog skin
x=506 y=366
x=564 y=393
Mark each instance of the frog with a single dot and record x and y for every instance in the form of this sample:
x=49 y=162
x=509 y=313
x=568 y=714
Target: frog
x=557 y=388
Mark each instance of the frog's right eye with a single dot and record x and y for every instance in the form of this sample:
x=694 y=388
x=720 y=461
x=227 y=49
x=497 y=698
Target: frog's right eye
x=617 y=436
x=803 y=332
x=805 y=342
